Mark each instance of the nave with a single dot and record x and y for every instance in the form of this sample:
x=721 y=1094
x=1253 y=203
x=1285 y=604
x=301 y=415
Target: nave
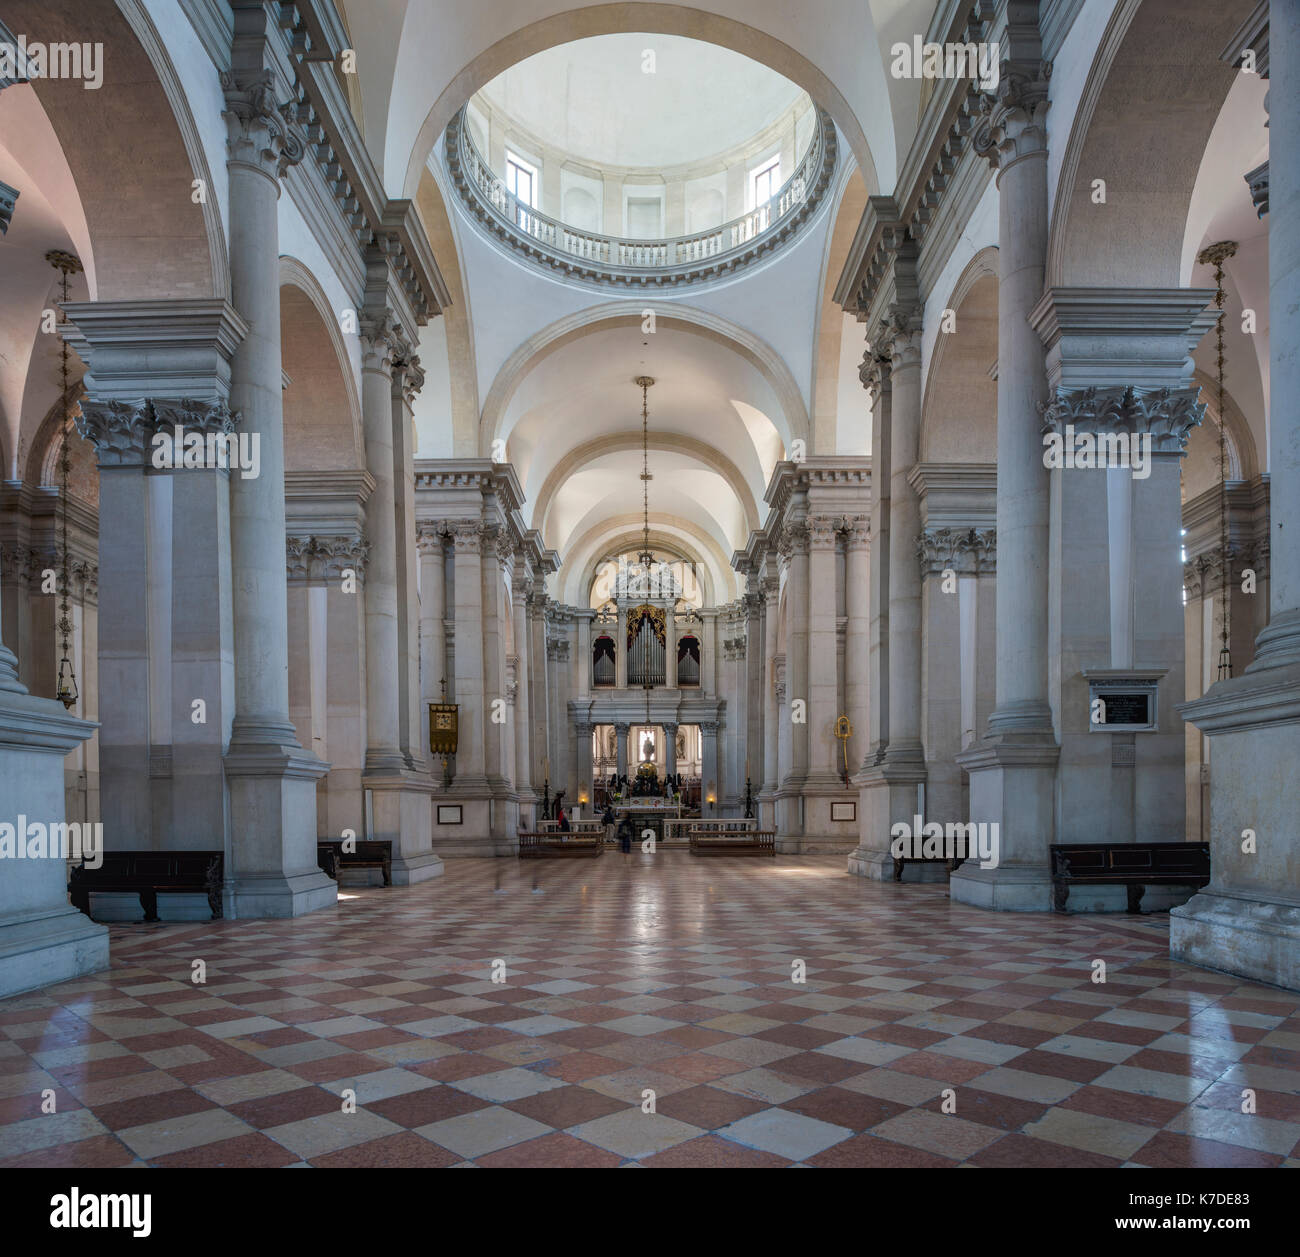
x=660 y=974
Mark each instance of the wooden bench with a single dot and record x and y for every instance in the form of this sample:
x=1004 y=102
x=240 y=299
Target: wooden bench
x=150 y=874
x=1135 y=865
x=370 y=853
x=539 y=844
x=901 y=862
x=733 y=842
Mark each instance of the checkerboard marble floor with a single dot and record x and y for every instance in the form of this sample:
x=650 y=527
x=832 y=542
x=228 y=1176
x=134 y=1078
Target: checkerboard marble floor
x=665 y=974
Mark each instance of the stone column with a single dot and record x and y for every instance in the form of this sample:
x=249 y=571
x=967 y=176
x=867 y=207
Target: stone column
x=523 y=694
x=773 y=716
x=670 y=749
x=583 y=661
x=756 y=706
x=586 y=773
x=272 y=869
x=823 y=672
x=857 y=633
x=620 y=733
x=892 y=789
x=380 y=342
x=408 y=380
x=795 y=548
x=493 y=661
x=467 y=673
x=709 y=768
x=1247 y=921
x=121 y=433
x=876 y=376
x=433 y=628
x=1012 y=772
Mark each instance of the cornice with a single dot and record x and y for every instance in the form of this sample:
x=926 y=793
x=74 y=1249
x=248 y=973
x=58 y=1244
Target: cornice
x=959 y=477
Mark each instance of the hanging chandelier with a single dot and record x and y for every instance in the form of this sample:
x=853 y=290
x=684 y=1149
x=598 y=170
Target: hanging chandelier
x=646 y=558
x=1216 y=255
x=66 y=687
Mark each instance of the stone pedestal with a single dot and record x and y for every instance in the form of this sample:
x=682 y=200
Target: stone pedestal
x=43 y=939
x=1247 y=921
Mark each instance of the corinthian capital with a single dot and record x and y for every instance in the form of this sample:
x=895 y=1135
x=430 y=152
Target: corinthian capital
x=1013 y=117
x=1165 y=415
x=383 y=341
x=120 y=430
x=259 y=131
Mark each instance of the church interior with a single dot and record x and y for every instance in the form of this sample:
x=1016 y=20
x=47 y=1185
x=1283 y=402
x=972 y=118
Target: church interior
x=642 y=584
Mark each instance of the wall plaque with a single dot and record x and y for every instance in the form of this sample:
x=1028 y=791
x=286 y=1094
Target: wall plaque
x=1122 y=703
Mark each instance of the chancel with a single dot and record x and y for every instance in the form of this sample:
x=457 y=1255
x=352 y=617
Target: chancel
x=443 y=440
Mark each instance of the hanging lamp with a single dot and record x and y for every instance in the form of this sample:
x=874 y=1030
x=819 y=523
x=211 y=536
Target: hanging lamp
x=1216 y=255
x=66 y=688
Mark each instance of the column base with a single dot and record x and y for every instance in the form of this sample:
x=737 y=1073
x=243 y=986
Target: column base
x=43 y=939
x=470 y=835
x=37 y=951
x=1012 y=787
x=887 y=794
x=1252 y=938
x=271 y=870
x=402 y=812
x=1247 y=921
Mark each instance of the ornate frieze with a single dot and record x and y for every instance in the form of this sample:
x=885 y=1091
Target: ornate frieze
x=1166 y=414
x=318 y=559
x=260 y=132
x=966 y=551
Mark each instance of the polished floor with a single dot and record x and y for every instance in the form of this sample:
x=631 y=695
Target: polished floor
x=925 y=1033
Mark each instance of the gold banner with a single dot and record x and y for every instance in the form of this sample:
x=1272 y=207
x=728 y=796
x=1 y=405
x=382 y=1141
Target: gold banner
x=444 y=720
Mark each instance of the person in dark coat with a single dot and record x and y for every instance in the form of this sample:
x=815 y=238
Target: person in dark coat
x=562 y=817
x=625 y=836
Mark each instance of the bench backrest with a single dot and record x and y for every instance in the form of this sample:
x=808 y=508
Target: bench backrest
x=1130 y=859
x=159 y=867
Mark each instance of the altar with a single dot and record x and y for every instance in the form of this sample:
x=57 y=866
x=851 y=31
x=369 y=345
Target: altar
x=648 y=814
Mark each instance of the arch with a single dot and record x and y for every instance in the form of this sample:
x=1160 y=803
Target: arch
x=1148 y=155
x=148 y=236
x=624 y=533
x=652 y=18
x=318 y=368
x=757 y=352
x=960 y=403
x=663 y=441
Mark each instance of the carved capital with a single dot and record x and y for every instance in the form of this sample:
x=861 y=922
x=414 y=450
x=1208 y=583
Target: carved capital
x=430 y=538
x=1013 y=118
x=408 y=377
x=794 y=539
x=1257 y=182
x=203 y=417
x=120 y=431
x=966 y=551
x=260 y=132
x=467 y=536
x=316 y=559
x=1167 y=415
x=856 y=530
x=383 y=340
x=822 y=532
